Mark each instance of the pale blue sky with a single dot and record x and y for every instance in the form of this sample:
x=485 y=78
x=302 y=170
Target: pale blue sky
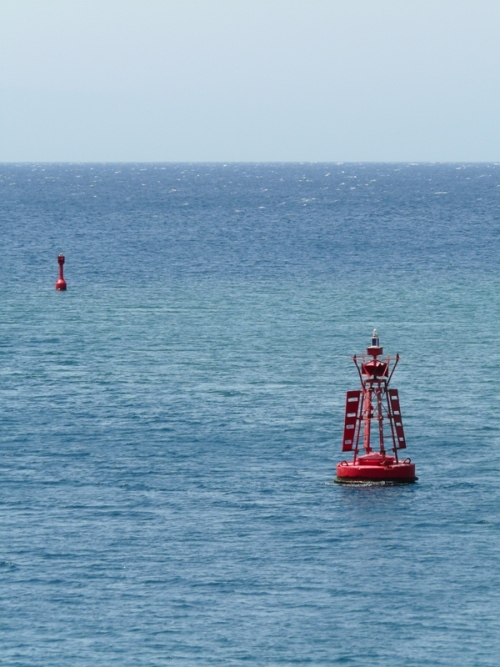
x=249 y=80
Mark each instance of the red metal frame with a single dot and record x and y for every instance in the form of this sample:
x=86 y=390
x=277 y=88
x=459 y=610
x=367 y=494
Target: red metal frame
x=374 y=402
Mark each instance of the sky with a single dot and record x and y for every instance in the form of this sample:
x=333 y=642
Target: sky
x=249 y=80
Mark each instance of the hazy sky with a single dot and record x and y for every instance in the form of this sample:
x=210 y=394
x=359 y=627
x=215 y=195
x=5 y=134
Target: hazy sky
x=249 y=80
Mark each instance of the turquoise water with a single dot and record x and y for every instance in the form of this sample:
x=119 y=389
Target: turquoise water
x=171 y=424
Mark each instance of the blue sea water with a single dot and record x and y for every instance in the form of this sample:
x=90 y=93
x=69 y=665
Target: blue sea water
x=170 y=425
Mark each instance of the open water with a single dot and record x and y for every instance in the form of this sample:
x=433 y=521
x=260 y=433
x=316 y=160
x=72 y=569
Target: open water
x=170 y=425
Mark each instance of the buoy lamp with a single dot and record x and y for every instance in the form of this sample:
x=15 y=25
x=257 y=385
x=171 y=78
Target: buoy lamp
x=61 y=283
x=373 y=412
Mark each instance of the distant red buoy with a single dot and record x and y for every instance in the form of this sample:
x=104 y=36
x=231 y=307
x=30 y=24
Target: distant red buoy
x=374 y=403
x=61 y=283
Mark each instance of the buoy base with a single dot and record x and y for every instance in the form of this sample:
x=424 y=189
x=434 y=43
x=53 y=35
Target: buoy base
x=375 y=467
x=61 y=285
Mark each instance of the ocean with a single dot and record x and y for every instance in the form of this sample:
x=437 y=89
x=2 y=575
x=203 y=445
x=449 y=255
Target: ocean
x=170 y=425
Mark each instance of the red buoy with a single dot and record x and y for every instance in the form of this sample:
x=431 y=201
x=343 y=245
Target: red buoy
x=61 y=283
x=374 y=404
